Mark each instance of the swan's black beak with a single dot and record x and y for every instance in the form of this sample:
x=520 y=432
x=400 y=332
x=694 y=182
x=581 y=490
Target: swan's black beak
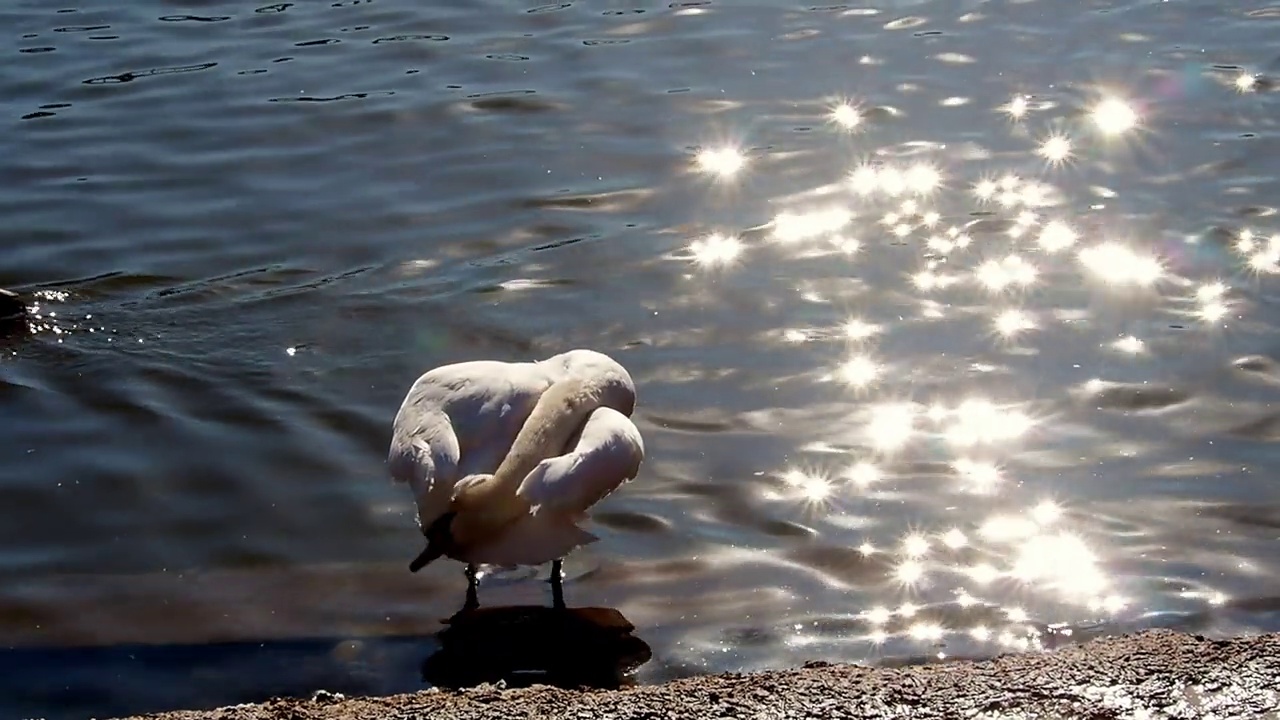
x=438 y=541
x=431 y=552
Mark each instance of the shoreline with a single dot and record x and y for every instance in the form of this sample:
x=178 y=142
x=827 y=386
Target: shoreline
x=1150 y=674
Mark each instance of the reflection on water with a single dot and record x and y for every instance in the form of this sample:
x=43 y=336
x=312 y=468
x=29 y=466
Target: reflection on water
x=1021 y=257
x=951 y=322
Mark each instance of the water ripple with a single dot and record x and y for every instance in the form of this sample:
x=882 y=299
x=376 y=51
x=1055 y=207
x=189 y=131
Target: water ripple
x=131 y=76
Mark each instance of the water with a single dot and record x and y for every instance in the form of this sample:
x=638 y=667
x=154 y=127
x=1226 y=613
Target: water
x=952 y=325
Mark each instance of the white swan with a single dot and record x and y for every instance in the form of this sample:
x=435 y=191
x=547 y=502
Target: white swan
x=505 y=459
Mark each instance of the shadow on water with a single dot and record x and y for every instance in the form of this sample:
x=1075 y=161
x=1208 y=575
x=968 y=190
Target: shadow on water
x=118 y=680
x=519 y=645
x=523 y=645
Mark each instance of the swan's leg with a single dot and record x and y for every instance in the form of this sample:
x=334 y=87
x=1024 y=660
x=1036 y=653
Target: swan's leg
x=557 y=587
x=473 y=586
x=473 y=599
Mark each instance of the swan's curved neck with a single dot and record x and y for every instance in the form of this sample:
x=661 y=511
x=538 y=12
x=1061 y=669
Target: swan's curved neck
x=558 y=414
x=560 y=411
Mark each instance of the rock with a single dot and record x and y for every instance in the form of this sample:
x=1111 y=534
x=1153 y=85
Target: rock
x=13 y=312
x=11 y=304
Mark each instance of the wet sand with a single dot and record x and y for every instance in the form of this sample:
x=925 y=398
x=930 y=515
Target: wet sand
x=1157 y=673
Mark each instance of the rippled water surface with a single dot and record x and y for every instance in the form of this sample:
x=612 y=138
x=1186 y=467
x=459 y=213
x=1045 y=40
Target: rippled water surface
x=954 y=324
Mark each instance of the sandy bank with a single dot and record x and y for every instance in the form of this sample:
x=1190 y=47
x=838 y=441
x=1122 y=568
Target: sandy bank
x=1156 y=674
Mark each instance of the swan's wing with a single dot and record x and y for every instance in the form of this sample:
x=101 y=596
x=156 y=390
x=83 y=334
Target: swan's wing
x=453 y=420
x=415 y=463
x=608 y=453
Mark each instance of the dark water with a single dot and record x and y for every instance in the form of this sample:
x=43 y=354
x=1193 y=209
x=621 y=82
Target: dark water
x=914 y=379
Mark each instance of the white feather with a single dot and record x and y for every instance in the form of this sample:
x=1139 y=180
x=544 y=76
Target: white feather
x=532 y=540
x=607 y=453
x=461 y=419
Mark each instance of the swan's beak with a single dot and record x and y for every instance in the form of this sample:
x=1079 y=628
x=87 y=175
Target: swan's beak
x=431 y=552
x=438 y=541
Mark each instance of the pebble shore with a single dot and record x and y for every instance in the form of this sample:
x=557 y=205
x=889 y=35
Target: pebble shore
x=1153 y=674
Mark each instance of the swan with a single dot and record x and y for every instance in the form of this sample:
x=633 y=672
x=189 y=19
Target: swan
x=505 y=459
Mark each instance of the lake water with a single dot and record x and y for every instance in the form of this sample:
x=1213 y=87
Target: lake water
x=953 y=325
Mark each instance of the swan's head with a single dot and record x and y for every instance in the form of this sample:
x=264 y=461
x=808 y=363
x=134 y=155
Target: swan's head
x=477 y=513
x=440 y=541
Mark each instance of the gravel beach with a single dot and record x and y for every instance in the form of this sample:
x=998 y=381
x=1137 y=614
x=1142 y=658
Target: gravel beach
x=1154 y=674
